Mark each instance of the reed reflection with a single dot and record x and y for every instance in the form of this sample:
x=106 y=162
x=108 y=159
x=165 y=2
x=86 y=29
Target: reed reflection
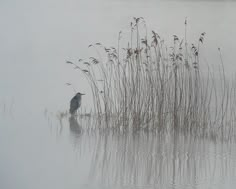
x=149 y=159
x=157 y=160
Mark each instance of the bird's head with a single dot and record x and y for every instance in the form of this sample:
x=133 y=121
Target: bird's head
x=79 y=94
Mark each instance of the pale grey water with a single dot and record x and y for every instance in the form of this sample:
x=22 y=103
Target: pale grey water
x=37 y=37
x=39 y=151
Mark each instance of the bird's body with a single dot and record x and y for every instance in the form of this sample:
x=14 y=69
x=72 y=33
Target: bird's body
x=75 y=103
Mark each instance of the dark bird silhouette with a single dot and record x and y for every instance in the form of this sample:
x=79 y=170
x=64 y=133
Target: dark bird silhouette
x=75 y=103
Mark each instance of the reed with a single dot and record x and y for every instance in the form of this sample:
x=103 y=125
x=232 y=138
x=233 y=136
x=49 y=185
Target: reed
x=148 y=85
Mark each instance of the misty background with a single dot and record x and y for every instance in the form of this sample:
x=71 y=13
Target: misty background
x=37 y=37
x=37 y=150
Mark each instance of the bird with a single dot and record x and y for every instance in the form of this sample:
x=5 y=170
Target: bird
x=75 y=103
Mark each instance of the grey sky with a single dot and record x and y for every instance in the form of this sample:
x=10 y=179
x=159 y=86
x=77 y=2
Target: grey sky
x=37 y=37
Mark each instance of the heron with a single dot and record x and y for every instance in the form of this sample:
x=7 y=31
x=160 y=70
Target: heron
x=75 y=103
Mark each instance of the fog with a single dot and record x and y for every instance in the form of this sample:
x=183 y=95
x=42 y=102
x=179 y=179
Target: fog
x=36 y=40
x=38 y=37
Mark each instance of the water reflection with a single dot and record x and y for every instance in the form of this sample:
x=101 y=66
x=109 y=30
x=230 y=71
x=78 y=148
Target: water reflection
x=144 y=159
x=75 y=128
x=147 y=159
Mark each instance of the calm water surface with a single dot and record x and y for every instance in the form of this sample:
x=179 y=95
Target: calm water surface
x=37 y=150
x=41 y=151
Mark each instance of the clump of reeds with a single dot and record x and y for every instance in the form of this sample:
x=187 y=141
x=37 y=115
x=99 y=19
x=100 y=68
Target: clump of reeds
x=148 y=85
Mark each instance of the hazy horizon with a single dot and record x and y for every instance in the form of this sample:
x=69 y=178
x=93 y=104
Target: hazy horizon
x=39 y=150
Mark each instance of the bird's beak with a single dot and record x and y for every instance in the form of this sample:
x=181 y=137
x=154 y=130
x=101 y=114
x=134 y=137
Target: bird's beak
x=82 y=94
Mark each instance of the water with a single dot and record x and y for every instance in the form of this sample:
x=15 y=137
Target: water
x=42 y=152
x=39 y=151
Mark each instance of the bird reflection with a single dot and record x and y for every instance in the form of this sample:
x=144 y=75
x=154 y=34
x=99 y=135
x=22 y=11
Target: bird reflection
x=75 y=128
